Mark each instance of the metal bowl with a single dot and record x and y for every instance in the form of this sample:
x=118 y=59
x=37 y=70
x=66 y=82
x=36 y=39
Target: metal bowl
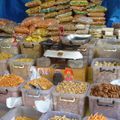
x=75 y=39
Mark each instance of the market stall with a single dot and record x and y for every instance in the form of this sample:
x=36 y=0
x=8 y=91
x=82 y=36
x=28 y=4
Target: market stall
x=60 y=63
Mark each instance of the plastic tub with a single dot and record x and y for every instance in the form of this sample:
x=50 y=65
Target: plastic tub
x=32 y=49
x=87 y=52
x=30 y=96
x=86 y=118
x=3 y=65
x=21 y=68
x=3 y=110
x=48 y=115
x=73 y=103
x=22 y=111
x=110 y=107
x=108 y=48
x=103 y=73
x=8 y=46
x=6 y=92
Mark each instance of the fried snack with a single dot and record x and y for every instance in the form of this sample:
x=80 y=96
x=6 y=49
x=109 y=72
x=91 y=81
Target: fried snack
x=32 y=28
x=65 y=19
x=10 y=81
x=62 y=7
x=77 y=8
x=55 y=38
x=69 y=27
x=98 y=23
x=33 y=10
x=65 y=11
x=96 y=19
x=48 y=4
x=51 y=15
x=23 y=118
x=106 y=90
x=41 y=31
x=61 y=118
x=30 y=21
x=80 y=3
x=62 y=2
x=53 y=33
x=97 y=117
x=4 y=21
x=96 y=14
x=107 y=64
x=33 y=4
x=97 y=9
x=48 y=10
x=5 y=56
x=42 y=83
x=23 y=60
x=72 y=87
x=21 y=29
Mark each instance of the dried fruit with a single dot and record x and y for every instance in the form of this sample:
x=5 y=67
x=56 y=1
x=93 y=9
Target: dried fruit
x=106 y=90
x=72 y=87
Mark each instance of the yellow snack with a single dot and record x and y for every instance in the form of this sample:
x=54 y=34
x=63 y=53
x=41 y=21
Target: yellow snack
x=23 y=118
x=24 y=60
x=10 y=81
x=72 y=87
x=42 y=82
x=5 y=56
x=34 y=38
x=42 y=32
x=97 y=117
x=61 y=118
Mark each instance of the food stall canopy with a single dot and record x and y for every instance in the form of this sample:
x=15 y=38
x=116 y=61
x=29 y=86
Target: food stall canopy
x=113 y=13
x=13 y=9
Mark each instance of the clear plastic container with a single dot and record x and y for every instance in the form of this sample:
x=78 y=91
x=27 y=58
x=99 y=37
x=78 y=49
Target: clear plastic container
x=22 y=111
x=3 y=65
x=3 y=110
x=108 y=48
x=110 y=107
x=104 y=73
x=6 y=92
x=8 y=46
x=87 y=52
x=30 y=96
x=32 y=49
x=73 y=103
x=21 y=68
x=86 y=118
x=48 y=115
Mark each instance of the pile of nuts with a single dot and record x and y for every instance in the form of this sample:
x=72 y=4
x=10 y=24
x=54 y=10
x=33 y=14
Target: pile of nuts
x=10 y=81
x=106 y=90
x=23 y=118
x=72 y=87
x=61 y=118
x=24 y=60
x=41 y=82
x=97 y=117
x=107 y=64
x=5 y=56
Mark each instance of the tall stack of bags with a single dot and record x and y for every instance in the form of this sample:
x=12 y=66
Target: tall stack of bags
x=34 y=7
x=79 y=6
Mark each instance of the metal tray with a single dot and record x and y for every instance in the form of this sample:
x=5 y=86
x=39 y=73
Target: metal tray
x=75 y=39
x=74 y=55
